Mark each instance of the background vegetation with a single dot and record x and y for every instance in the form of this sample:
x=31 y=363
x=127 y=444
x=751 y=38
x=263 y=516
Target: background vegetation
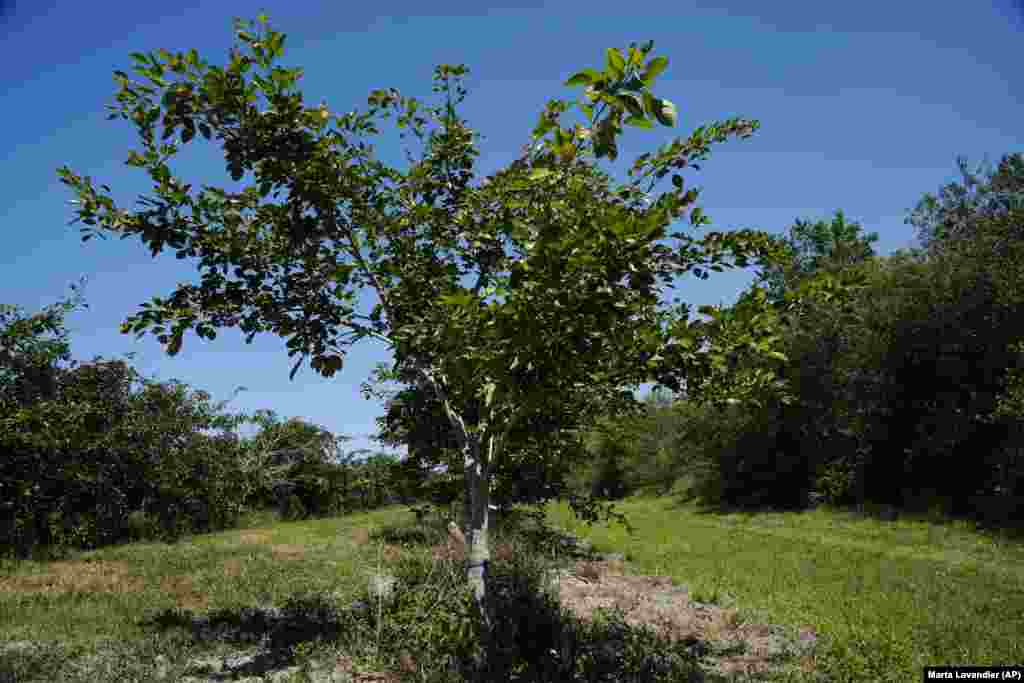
x=907 y=397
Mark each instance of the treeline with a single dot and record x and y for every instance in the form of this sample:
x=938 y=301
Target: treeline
x=909 y=396
x=93 y=454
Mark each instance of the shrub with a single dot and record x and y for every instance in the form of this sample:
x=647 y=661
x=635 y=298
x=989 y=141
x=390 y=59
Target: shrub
x=142 y=526
x=293 y=508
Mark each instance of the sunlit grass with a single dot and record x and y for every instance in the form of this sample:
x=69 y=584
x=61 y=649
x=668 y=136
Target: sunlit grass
x=97 y=597
x=886 y=598
x=889 y=597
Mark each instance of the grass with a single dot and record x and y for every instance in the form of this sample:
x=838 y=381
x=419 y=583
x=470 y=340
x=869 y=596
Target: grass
x=887 y=598
x=125 y=606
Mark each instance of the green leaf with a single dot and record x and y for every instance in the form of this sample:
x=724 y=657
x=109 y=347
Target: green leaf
x=677 y=180
x=666 y=113
x=543 y=126
x=632 y=103
x=639 y=122
x=616 y=62
x=650 y=103
x=654 y=67
x=540 y=173
x=455 y=299
x=635 y=56
x=585 y=77
x=634 y=85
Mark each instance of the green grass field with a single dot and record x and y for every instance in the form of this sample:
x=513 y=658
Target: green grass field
x=890 y=596
x=887 y=598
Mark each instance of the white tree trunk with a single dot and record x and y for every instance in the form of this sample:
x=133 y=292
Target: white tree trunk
x=475 y=512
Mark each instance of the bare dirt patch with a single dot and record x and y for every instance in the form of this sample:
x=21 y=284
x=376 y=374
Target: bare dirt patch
x=723 y=641
x=76 y=576
x=232 y=567
x=185 y=594
x=260 y=536
x=361 y=536
x=284 y=551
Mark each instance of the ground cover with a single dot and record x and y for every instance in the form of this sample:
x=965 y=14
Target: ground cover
x=882 y=597
x=822 y=595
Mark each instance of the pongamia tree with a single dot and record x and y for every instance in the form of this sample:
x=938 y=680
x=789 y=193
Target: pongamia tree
x=566 y=268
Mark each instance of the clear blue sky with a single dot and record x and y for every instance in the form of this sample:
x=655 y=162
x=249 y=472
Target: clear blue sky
x=864 y=107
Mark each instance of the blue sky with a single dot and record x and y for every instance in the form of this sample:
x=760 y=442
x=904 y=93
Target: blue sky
x=864 y=107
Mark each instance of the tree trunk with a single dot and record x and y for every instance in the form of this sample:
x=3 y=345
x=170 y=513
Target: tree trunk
x=478 y=554
x=475 y=508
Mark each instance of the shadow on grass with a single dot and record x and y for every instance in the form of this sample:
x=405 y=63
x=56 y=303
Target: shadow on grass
x=313 y=619
x=531 y=637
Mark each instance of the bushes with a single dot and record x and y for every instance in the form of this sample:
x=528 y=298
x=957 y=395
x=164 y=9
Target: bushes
x=293 y=508
x=86 y=453
x=315 y=490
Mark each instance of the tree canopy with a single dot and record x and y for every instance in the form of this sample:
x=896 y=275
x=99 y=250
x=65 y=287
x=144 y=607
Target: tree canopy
x=566 y=267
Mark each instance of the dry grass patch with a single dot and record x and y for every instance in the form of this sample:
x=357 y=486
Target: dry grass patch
x=503 y=552
x=232 y=566
x=76 y=576
x=361 y=536
x=185 y=595
x=391 y=553
x=260 y=536
x=653 y=601
x=285 y=551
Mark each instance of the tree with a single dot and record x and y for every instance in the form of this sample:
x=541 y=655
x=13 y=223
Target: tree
x=771 y=460
x=279 y=446
x=28 y=359
x=817 y=338
x=815 y=248
x=78 y=461
x=566 y=268
x=952 y=216
x=895 y=393
x=539 y=451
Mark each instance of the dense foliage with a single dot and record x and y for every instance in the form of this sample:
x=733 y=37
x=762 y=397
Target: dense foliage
x=92 y=458
x=565 y=309
x=908 y=395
